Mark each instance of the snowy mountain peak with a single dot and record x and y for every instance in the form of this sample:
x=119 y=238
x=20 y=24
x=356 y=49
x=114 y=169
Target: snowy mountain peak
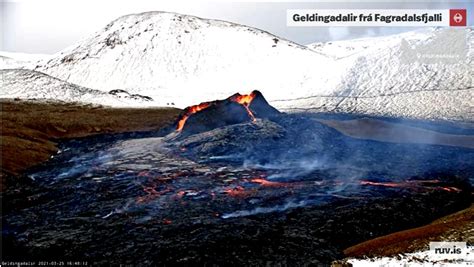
x=164 y=54
x=169 y=23
x=186 y=60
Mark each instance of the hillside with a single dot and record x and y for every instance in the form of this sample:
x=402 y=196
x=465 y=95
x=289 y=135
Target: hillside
x=33 y=85
x=187 y=59
x=183 y=60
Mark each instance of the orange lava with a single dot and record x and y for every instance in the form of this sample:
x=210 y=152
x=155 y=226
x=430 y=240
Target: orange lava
x=188 y=112
x=451 y=189
x=435 y=181
x=236 y=191
x=245 y=101
x=415 y=184
x=265 y=182
x=151 y=194
x=382 y=184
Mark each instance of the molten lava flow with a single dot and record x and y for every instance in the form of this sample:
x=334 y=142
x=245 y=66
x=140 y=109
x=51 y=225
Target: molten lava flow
x=382 y=184
x=238 y=191
x=245 y=101
x=265 y=182
x=188 y=112
x=451 y=189
x=414 y=184
x=152 y=194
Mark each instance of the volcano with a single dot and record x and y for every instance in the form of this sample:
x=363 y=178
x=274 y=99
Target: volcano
x=234 y=181
x=232 y=110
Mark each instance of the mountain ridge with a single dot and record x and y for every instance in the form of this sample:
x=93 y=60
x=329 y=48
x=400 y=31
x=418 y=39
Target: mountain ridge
x=183 y=59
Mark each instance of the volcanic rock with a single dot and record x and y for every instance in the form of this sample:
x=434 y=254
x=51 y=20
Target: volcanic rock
x=245 y=128
x=279 y=140
x=235 y=139
x=260 y=107
x=233 y=110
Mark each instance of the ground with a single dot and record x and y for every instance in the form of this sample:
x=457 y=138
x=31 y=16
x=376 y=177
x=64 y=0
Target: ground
x=31 y=131
x=454 y=227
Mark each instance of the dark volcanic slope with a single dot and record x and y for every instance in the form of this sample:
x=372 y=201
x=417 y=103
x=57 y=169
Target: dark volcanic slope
x=233 y=110
x=251 y=193
x=278 y=189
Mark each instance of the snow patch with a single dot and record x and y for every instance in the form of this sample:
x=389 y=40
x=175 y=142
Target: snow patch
x=32 y=85
x=417 y=259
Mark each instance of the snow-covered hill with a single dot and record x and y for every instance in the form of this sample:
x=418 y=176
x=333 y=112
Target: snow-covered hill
x=10 y=63
x=33 y=85
x=185 y=60
x=402 y=75
x=14 y=60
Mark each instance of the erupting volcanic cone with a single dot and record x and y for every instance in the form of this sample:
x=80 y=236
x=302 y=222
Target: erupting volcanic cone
x=260 y=107
x=235 y=109
x=190 y=111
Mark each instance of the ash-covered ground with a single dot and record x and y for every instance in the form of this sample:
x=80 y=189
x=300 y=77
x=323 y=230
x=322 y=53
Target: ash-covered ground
x=282 y=190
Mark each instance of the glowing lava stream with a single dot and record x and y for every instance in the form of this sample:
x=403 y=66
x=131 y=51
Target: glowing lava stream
x=413 y=184
x=387 y=184
x=265 y=182
x=244 y=100
x=188 y=112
